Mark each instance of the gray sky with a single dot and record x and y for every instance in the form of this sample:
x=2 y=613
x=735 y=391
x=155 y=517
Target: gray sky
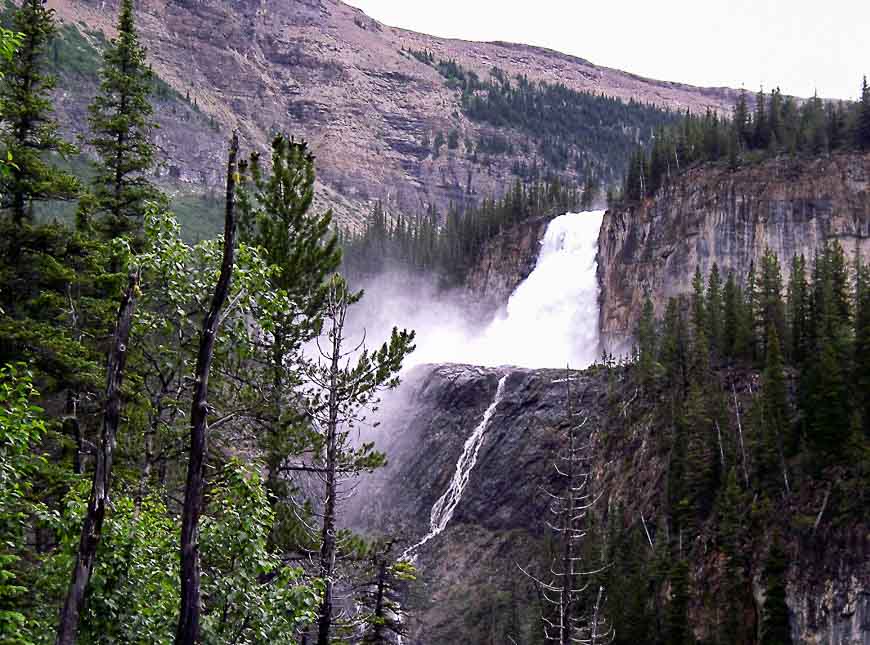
x=799 y=45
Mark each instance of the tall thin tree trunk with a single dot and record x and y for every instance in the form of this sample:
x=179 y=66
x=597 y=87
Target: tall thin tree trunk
x=92 y=525
x=188 y=619
x=327 y=548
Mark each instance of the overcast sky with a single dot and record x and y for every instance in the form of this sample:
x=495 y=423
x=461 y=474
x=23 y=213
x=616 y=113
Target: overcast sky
x=799 y=45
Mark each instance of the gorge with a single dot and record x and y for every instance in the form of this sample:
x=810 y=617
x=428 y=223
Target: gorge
x=445 y=413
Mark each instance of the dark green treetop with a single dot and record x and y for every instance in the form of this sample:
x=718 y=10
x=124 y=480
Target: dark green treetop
x=121 y=125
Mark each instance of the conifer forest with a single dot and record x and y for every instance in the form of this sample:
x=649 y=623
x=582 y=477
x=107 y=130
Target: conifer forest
x=254 y=392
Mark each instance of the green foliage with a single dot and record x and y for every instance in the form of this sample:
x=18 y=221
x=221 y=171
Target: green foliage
x=862 y=129
x=779 y=125
x=30 y=134
x=646 y=341
x=425 y=244
x=21 y=430
x=251 y=595
x=121 y=124
x=775 y=628
x=677 y=627
x=590 y=132
x=276 y=216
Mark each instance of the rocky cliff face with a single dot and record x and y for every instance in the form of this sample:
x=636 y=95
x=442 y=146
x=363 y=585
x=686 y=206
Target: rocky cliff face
x=325 y=71
x=469 y=579
x=505 y=261
x=728 y=217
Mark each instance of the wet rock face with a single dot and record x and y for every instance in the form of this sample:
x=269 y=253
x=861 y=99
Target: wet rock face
x=500 y=519
x=506 y=260
x=727 y=217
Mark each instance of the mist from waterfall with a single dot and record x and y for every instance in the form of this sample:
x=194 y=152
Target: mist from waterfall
x=551 y=319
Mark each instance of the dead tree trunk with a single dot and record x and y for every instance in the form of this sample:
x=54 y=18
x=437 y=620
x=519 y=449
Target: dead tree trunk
x=567 y=582
x=92 y=526
x=188 y=620
x=328 y=544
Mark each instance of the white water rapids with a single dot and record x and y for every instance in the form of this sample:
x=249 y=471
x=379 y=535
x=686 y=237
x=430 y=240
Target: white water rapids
x=552 y=317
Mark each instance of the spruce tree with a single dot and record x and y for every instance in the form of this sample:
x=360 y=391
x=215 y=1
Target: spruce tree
x=698 y=309
x=677 y=622
x=121 y=125
x=714 y=308
x=646 y=341
x=742 y=120
x=770 y=306
x=775 y=628
x=862 y=128
x=861 y=378
x=798 y=309
x=29 y=132
x=775 y=435
x=730 y=316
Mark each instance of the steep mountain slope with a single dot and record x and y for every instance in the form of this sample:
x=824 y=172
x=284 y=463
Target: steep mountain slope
x=323 y=70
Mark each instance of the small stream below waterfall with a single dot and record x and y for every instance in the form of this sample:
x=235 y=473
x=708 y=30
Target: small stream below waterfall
x=442 y=509
x=551 y=320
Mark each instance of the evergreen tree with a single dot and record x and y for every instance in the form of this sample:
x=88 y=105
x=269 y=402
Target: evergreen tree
x=700 y=476
x=677 y=627
x=798 y=309
x=714 y=307
x=749 y=317
x=732 y=536
x=731 y=316
x=775 y=433
x=771 y=310
x=646 y=341
x=861 y=378
x=29 y=132
x=742 y=120
x=121 y=125
x=775 y=629
x=673 y=346
x=862 y=127
x=698 y=309
x=761 y=135
x=275 y=216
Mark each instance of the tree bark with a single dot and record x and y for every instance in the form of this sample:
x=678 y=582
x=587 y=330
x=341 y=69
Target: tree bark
x=327 y=548
x=188 y=620
x=92 y=525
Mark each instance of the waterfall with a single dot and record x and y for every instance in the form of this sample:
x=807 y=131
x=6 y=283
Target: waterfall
x=552 y=317
x=443 y=508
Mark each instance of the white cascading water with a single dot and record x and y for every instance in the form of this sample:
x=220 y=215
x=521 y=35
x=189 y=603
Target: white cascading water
x=442 y=510
x=552 y=317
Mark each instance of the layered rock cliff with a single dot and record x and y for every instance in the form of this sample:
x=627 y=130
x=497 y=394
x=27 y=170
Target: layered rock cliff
x=470 y=588
x=717 y=215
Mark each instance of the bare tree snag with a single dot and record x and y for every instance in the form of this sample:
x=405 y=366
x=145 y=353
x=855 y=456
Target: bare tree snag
x=92 y=526
x=188 y=619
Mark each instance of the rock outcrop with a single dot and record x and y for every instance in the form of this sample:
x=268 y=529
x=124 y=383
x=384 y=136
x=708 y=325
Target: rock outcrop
x=471 y=567
x=504 y=262
x=716 y=215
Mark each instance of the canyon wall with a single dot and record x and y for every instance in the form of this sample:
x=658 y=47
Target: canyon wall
x=717 y=215
x=470 y=588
